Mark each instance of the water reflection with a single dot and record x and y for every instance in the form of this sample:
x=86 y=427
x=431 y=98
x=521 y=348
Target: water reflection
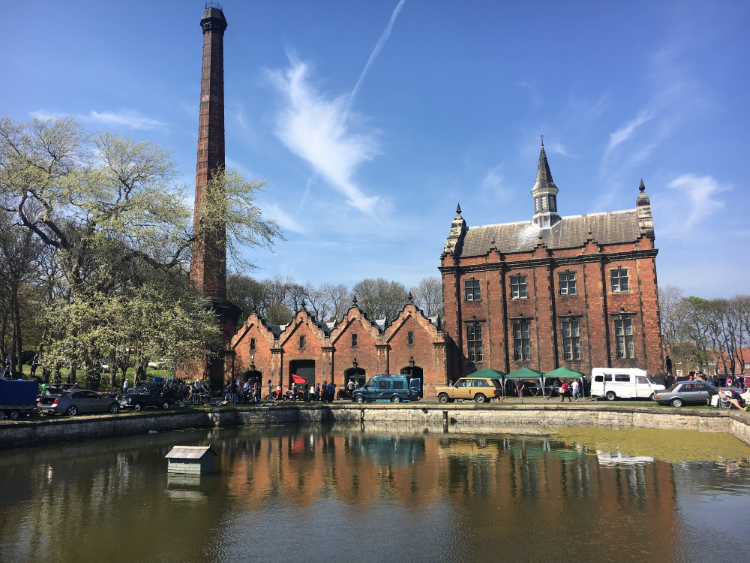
x=353 y=493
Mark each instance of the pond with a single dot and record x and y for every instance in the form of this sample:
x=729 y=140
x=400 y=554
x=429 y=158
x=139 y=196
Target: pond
x=336 y=493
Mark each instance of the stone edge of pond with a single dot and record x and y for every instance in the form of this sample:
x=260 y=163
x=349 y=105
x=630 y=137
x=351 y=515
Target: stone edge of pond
x=536 y=417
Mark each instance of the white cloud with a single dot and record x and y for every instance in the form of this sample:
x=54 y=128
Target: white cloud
x=625 y=132
x=318 y=129
x=699 y=192
x=285 y=221
x=556 y=148
x=128 y=118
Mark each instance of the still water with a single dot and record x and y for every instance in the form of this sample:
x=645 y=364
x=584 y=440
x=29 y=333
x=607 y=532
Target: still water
x=380 y=494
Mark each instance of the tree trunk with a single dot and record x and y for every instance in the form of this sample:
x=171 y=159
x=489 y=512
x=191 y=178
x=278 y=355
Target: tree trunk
x=112 y=368
x=18 y=343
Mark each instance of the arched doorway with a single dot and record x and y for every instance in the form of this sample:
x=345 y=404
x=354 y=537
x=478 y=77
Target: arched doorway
x=254 y=375
x=411 y=371
x=302 y=368
x=358 y=374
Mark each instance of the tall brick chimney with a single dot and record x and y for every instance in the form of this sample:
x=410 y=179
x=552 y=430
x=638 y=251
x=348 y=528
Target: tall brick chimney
x=208 y=270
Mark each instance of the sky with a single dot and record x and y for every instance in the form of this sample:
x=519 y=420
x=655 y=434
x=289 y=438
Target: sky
x=371 y=120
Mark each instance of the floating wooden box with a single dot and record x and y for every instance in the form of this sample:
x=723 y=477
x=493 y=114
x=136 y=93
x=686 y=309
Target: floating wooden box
x=191 y=459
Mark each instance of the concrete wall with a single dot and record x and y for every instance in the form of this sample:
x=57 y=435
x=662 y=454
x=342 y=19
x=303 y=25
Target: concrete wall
x=531 y=419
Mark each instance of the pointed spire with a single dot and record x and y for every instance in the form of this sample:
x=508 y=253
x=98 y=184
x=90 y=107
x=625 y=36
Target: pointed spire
x=543 y=174
x=642 y=187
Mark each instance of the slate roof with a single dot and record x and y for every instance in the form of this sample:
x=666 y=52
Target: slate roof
x=544 y=179
x=189 y=452
x=570 y=232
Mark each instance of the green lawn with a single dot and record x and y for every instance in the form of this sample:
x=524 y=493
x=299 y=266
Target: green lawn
x=80 y=376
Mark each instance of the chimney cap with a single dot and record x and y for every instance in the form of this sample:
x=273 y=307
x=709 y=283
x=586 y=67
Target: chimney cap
x=213 y=18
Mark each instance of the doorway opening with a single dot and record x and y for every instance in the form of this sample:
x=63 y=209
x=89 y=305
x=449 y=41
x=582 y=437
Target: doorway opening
x=302 y=368
x=359 y=375
x=414 y=371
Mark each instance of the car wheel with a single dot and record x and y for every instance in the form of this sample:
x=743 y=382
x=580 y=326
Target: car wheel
x=479 y=398
x=677 y=403
x=72 y=411
x=114 y=408
x=443 y=398
x=651 y=397
x=165 y=405
x=396 y=399
x=359 y=399
x=13 y=415
x=137 y=406
x=2 y=415
x=611 y=396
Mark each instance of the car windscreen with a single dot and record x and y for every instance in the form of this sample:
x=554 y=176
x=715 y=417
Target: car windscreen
x=674 y=387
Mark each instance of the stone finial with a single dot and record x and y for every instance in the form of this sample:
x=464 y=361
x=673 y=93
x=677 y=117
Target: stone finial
x=493 y=244
x=410 y=299
x=642 y=187
x=539 y=238
x=458 y=209
x=354 y=301
x=590 y=235
x=303 y=306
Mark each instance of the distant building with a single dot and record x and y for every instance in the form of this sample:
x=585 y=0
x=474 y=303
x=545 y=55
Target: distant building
x=579 y=290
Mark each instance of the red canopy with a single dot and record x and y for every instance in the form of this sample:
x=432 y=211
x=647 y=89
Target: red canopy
x=299 y=379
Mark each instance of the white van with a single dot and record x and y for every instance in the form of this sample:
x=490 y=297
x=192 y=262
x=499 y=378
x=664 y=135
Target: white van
x=622 y=383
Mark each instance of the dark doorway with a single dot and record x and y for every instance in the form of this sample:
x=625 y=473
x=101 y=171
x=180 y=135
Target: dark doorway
x=254 y=375
x=415 y=371
x=358 y=374
x=302 y=368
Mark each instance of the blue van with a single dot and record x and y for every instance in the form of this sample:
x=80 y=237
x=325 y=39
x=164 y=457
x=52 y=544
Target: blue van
x=393 y=388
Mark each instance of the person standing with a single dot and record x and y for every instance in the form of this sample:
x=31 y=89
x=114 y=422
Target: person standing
x=125 y=386
x=270 y=391
x=317 y=392
x=331 y=391
x=350 y=385
x=34 y=364
x=574 y=387
x=520 y=387
x=306 y=392
x=294 y=391
x=565 y=392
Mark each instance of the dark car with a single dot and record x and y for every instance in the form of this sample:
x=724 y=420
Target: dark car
x=149 y=394
x=686 y=393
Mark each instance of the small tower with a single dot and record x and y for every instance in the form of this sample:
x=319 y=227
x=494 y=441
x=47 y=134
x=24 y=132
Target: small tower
x=545 y=194
x=643 y=208
x=458 y=228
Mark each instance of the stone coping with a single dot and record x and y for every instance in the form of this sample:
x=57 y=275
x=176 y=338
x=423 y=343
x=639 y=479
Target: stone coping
x=500 y=417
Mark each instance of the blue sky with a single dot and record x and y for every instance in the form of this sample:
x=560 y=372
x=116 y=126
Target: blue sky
x=450 y=110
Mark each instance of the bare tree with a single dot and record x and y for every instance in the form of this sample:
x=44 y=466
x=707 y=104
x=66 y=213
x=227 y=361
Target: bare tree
x=339 y=299
x=428 y=296
x=380 y=298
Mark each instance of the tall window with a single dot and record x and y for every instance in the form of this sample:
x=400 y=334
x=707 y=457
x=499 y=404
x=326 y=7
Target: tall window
x=536 y=204
x=472 y=290
x=252 y=344
x=517 y=287
x=624 y=338
x=552 y=203
x=567 y=284
x=474 y=338
x=301 y=342
x=544 y=203
x=354 y=340
x=571 y=340
x=410 y=337
x=619 y=280
x=521 y=342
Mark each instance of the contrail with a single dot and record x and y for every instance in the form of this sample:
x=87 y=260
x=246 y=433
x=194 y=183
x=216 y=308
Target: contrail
x=374 y=54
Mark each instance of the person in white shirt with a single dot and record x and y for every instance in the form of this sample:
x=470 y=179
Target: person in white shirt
x=574 y=386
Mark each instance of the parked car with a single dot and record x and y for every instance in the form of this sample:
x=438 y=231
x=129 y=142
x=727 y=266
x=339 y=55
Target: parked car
x=77 y=401
x=149 y=394
x=161 y=364
x=686 y=393
x=480 y=389
x=393 y=388
x=622 y=383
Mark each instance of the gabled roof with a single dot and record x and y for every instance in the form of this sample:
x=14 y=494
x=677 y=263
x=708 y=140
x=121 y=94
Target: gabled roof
x=189 y=452
x=612 y=227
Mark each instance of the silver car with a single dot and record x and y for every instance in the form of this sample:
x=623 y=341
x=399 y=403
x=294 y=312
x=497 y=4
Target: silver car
x=686 y=392
x=78 y=401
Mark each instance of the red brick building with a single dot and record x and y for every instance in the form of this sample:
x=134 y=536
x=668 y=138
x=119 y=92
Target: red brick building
x=579 y=291
x=355 y=347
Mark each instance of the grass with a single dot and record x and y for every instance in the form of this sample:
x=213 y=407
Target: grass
x=104 y=386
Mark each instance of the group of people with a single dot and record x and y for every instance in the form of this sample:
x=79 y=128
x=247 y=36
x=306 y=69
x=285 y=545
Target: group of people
x=237 y=392
x=325 y=392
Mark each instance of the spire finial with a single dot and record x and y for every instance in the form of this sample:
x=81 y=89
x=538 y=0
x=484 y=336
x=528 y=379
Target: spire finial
x=458 y=209
x=591 y=234
x=542 y=141
x=303 y=306
x=493 y=244
x=354 y=300
x=642 y=187
x=410 y=299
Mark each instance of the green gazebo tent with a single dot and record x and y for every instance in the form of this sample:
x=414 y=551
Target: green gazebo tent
x=527 y=373
x=564 y=372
